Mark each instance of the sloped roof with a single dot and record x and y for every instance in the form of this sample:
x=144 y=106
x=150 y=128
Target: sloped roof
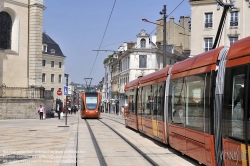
x=51 y=44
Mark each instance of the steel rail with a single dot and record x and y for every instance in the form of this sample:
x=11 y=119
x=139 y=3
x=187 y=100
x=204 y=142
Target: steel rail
x=97 y=148
x=132 y=145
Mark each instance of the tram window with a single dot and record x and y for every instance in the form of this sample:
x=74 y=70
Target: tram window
x=177 y=105
x=195 y=102
x=147 y=102
x=131 y=104
x=140 y=102
x=160 y=99
x=233 y=106
x=155 y=102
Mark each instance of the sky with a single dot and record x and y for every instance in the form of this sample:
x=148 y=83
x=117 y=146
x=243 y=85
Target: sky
x=78 y=27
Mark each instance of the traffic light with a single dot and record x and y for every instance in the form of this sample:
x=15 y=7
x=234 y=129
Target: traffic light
x=68 y=101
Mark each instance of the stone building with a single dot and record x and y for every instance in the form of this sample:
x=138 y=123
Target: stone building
x=177 y=35
x=134 y=59
x=52 y=65
x=21 y=90
x=206 y=15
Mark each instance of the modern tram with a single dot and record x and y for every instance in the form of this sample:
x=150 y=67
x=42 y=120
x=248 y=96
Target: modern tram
x=90 y=105
x=199 y=106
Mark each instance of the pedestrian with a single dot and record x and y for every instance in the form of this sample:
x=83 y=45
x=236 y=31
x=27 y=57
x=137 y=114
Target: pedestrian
x=75 y=109
x=58 y=110
x=41 y=111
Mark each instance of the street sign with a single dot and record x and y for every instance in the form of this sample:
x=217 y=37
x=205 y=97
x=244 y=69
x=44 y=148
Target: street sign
x=69 y=90
x=65 y=90
x=59 y=92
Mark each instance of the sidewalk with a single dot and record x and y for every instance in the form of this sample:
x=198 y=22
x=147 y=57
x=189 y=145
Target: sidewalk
x=38 y=142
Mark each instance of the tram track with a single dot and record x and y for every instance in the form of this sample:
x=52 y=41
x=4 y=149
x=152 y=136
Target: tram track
x=96 y=145
x=106 y=117
x=98 y=150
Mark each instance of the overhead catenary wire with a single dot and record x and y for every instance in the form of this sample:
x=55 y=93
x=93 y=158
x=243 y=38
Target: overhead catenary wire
x=151 y=31
x=166 y=17
x=102 y=38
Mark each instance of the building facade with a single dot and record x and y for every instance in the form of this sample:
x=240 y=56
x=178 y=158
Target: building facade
x=21 y=90
x=177 y=35
x=19 y=45
x=134 y=59
x=52 y=66
x=206 y=15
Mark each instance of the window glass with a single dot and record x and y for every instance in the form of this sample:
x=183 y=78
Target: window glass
x=142 y=61
x=234 y=99
x=132 y=101
x=148 y=101
x=91 y=102
x=234 y=18
x=60 y=78
x=140 y=102
x=52 y=64
x=208 y=44
x=60 y=65
x=43 y=77
x=195 y=115
x=5 y=30
x=232 y=40
x=143 y=43
x=158 y=107
x=52 y=78
x=44 y=63
x=177 y=106
x=208 y=20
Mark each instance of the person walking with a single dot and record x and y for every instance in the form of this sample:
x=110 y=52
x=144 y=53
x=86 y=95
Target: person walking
x=58 y=110
x=41 y=111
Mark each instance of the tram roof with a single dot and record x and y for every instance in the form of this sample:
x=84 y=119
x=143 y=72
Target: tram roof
x=132 y=84
x=155 y=75
x=204 y=59
x=239 y=48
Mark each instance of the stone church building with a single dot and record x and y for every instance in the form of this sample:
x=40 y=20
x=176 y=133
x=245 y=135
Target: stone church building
x=21 y=90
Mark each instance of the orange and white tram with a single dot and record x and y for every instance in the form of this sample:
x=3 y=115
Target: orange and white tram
x=90 y=105
x=199 y=106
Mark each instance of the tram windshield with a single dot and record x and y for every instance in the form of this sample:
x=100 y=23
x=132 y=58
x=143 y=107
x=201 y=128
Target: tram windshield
x=91 y=101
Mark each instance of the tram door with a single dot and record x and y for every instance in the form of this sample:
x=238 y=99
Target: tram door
x=236 y=116
x=140 y=109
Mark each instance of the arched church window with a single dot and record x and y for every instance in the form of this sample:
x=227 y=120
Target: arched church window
x=5 y=30
x=143 y=43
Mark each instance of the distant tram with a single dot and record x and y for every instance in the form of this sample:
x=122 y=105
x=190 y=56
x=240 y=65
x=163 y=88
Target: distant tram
x=90 y=105
x=199 y=106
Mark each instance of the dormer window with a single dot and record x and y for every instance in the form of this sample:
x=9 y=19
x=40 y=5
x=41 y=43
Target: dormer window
x=143 y=43
x=52 y=51
x=45 y=47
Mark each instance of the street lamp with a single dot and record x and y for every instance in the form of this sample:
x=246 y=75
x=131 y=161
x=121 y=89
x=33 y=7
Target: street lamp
x=145 y=20
x=183 y=34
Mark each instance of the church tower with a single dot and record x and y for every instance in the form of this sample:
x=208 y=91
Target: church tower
x=35 y=42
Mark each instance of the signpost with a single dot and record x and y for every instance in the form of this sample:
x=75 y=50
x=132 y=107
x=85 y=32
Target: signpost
x=59 y=92
x=65 y=90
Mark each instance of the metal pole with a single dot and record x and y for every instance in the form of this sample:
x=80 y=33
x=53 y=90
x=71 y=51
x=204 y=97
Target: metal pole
x=164 y=35
x=67 y=83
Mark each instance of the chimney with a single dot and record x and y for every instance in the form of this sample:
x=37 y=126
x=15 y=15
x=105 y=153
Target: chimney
x=158 y=44
x=181 y=21
x=131 y=44
x=172 y=19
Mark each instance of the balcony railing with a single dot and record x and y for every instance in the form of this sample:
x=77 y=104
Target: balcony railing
x=31 y=92
x=233 y=23
x=208 y=25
